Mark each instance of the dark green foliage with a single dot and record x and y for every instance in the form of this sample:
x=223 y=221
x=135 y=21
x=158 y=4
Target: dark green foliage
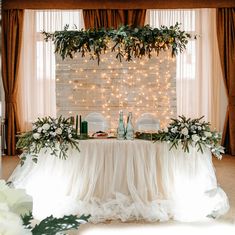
x=52 y=225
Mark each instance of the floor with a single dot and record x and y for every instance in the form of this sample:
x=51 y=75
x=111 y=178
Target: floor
x=225 y=171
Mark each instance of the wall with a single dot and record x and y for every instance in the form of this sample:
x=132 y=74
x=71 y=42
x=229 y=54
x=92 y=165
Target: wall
x=140 y=86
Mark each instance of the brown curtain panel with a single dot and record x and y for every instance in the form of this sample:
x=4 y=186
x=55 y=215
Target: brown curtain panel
x=12 y=25
x=113 y=18
x=226 y=41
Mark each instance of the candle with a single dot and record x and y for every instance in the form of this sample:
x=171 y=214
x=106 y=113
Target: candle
x=76 y=124
x=84 y=127
x=72 y=120
x=80 y=125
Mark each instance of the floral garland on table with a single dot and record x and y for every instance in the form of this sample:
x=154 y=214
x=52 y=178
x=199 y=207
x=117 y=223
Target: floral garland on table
x=191 y=132
x=127 y=41
x=56 y=134
x=16 y=216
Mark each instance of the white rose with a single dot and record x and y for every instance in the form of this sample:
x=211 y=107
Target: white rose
x=58 y=131
x=46 y=126
x=207 y=134
x=16 y=199
x=184 y=131
x=11 y=224
x=39 y=130
x=195 y=138
x=36 y=136
x=52 y=133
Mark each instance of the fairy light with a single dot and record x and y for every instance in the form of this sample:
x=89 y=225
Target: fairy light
x=140 y=86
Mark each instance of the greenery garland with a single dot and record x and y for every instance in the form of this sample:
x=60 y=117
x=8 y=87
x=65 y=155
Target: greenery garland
x=126 y=41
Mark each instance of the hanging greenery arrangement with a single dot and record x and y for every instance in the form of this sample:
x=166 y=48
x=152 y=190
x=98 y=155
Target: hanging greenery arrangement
x=126 y=41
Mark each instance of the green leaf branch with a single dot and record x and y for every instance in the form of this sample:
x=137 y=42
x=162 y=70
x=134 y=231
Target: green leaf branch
x=128 y=42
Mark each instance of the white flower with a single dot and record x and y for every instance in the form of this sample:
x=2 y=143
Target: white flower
x=184 y=131
x=192 y=127
x=58 y=131
x=36 y=136
x=199 y=128
x=174 y=130
x=16 y=199
x=39 y=130
x=46 y=126
x=195 y=138
x=70 y=136
x=52 y=133
x=207 y=134
x=11 y=223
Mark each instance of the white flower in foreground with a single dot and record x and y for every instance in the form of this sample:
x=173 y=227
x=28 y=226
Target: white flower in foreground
x=207 y=134
x=39 y=129
x=11 y=224
x=184 y=131
x=16 y=199
x=36 y=136
x=58 y=131
x=195 y=138
x=46 y=126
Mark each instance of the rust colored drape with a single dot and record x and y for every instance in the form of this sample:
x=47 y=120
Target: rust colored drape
x=113 y=18
x=226 y=42
x=12 y=25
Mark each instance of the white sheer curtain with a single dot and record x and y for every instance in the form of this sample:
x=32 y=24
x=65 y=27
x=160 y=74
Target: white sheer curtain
x=37 y=69
x=199 y=84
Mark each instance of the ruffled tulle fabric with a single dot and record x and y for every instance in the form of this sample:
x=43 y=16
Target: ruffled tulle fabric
x=124 y=180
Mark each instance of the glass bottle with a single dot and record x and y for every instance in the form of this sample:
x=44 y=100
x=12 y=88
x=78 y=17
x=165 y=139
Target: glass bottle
x=129 y=128
x=121 y=127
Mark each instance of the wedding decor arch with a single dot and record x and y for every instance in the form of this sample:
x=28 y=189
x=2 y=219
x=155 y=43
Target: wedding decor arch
x=128 y=42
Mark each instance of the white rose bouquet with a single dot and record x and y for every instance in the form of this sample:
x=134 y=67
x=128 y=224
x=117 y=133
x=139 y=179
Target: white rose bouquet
x=55 y=134
x=192 y=132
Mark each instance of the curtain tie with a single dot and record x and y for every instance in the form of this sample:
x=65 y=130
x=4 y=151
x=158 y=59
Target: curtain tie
x=10 y=99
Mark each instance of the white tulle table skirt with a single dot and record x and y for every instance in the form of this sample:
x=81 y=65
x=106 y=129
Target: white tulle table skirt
x=126 y=180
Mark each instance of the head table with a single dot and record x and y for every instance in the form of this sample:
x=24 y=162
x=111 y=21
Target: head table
x=124 y=180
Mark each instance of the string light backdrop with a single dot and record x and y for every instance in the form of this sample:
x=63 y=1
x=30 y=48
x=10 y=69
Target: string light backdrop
x=141 y=86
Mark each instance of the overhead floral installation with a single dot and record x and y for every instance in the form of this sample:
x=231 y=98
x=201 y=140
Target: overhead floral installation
x=126 y=41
